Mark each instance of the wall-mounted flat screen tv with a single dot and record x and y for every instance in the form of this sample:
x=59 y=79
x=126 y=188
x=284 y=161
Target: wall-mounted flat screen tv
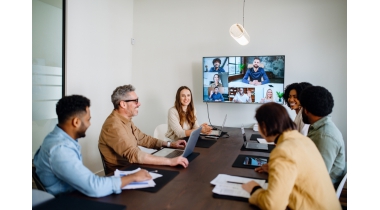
x=243 y=79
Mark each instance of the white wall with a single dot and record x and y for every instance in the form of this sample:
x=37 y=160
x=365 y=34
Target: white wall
x=99 y=58
x=172 y=37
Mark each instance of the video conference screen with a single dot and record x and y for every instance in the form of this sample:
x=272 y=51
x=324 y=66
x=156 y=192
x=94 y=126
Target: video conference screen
x=243 y=79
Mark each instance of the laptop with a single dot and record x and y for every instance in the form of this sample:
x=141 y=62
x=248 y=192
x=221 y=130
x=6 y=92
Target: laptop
x=217 y=133
x=251 y=144
x=171 y=153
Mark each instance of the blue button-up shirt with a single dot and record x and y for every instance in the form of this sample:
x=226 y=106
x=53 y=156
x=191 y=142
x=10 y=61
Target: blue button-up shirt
x=60 y=168
x=260 y=75
x=219 y=70
x=216 y=96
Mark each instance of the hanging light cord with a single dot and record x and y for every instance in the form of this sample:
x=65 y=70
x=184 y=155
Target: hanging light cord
x=243 y=13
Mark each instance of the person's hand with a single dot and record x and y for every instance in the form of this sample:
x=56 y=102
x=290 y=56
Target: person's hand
x=249 y=186
x=252 y=82
x=179 y=144
x=263 y=168
x=141 y=175
x=179 y=161
x=262 y=100
x=206 y=128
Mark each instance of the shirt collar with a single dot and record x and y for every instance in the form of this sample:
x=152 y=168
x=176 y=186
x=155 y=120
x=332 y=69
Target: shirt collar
x=320 y=122
x=121 y=117
x=62 y=132
x=276 y=139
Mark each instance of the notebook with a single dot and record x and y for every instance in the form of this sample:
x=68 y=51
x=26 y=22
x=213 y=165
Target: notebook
x=217 y=133
x=252 y=145
x=171 y=153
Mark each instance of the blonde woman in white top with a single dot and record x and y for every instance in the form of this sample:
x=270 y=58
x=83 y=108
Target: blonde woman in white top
x=182 y=118
x=291 y=97
x=268 y=97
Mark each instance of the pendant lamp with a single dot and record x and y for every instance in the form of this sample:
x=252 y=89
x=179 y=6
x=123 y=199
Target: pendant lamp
x=238 y=32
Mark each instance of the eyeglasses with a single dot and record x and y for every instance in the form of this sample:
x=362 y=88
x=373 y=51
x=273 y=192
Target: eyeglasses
x=135 y=100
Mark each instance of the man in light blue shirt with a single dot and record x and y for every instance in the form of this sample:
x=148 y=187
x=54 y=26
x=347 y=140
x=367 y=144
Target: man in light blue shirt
x=59 y=163
x=317 y=103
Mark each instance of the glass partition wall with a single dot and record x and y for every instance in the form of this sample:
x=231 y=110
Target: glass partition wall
x=48 y=59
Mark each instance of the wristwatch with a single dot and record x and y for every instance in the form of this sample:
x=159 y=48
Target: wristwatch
x=168 y=145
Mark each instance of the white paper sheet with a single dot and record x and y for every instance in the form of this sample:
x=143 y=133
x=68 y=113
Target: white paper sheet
x=223 y=187
x=137 y=185
x=263 y=141
x=224 y=178
x=147 y=150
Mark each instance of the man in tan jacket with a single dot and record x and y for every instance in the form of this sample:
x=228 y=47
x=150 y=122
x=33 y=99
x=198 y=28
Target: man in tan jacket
x=119 y=138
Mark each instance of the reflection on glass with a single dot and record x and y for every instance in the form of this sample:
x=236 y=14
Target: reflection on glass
x=47 y=51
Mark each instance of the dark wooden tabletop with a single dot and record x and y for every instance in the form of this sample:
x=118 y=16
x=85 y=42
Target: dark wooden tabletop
x=191 y=188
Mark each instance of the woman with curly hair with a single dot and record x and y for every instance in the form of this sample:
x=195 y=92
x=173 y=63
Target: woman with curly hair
x=182 y=118
x=291 y=97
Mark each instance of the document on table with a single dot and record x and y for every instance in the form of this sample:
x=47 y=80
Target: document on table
x=137 y=185
x=263 y=141
x=231 y=185
x=147 y=150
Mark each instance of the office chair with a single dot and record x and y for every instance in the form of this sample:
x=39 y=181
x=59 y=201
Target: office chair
x=106 y=171
x=159 y=132
x=37 y=180
x=340 y=186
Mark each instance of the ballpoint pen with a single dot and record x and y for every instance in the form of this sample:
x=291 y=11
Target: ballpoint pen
x=235 y=182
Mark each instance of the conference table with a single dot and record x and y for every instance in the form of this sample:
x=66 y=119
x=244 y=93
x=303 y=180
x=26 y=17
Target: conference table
x=191 y=188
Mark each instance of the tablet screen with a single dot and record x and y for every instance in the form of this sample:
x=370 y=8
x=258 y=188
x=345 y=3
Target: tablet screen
x=252 y=161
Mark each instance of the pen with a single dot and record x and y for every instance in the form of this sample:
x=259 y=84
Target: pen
x=235 y=182
x=137 y=183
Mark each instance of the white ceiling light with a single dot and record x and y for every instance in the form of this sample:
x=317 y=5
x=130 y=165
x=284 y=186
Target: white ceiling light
x=238 y=32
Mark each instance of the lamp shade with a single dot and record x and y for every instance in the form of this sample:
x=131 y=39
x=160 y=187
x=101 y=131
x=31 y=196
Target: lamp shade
x=238 y=32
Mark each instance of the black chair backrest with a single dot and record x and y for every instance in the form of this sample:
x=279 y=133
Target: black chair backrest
x=37 y=180
x=106 y=171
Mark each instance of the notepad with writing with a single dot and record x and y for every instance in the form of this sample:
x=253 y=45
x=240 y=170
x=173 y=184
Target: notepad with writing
x=229 y=187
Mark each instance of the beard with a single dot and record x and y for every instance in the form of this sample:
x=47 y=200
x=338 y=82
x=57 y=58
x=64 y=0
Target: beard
x=82 y=131
x=256 y=66
x=305 y=119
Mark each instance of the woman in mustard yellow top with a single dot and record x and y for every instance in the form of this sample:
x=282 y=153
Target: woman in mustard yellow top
x=297 y=175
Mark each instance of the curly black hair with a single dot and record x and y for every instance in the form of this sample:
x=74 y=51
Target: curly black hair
x=69 y=106
x=216 y=60
x=299 y=87
x=317 y=100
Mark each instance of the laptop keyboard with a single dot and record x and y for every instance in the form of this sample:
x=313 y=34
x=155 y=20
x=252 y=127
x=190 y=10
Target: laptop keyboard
x=175 y=153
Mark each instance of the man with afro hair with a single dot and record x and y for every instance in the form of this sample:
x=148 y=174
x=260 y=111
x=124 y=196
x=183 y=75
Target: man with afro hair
x=317 y=103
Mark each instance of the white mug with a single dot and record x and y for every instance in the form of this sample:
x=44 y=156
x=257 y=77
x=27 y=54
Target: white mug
x=255 y=127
